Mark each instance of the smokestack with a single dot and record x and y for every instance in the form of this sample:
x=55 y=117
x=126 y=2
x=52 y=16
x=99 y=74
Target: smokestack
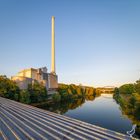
x=53 y=47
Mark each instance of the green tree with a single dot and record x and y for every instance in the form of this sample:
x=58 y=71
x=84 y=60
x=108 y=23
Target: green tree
x=127 y=89
x=8 y=88
x=56 y=97
x=73 y=91
x=25 y=97
x=116 y=91
x=38 y=92
x=137 y=86
x=132 y=102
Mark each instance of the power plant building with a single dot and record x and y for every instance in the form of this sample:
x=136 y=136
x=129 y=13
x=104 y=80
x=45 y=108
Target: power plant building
x=40 y=75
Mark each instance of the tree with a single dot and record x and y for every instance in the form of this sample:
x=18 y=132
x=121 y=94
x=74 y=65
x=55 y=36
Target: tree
x=132 y=101
x=137 y=86
x=127 y=89
x=38 y=92
x=56 y=97
x=8 y=88
x=25 y=97
x=116 y=91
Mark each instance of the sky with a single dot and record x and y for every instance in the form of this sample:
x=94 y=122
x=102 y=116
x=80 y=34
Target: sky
x=97 y=41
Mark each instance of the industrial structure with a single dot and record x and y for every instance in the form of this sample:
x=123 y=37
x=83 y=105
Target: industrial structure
x=40 y=75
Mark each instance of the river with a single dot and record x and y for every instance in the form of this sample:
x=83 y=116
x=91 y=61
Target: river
x=101 y=111
x=104 y=112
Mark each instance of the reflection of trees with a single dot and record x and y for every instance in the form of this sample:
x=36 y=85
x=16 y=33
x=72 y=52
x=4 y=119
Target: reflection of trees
x=90 y=98
x=72 y=96
x=127 y=112
x=130 y=106
x=63 y=106
x=76 y=103
x=128 y=96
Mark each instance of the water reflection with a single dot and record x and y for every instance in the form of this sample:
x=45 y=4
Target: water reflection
x=63 y=107
x=102 y=111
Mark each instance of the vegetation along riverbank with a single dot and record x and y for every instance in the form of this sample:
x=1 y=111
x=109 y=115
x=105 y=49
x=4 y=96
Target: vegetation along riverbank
x=72 y=96
x=37 y=94
x=128 y=97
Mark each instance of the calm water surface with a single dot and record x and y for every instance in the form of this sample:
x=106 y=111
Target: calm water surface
x=104 y=112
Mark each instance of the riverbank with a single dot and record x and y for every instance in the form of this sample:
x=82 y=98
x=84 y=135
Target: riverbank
x=37 y=93
x=130 y=105
x=100 y=110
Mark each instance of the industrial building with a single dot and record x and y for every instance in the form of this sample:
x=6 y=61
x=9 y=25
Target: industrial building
x=40 y=75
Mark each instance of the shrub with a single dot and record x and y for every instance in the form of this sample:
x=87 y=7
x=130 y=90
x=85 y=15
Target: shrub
x=25 y=97
x=38 y=93
x=8 y=88
x=56 y=97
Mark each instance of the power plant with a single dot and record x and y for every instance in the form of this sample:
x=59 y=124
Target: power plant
x=40 y=75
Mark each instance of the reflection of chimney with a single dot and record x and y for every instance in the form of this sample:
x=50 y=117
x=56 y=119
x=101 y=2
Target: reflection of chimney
x=53 y=48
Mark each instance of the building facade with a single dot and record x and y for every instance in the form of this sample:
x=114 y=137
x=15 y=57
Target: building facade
x=29 y=76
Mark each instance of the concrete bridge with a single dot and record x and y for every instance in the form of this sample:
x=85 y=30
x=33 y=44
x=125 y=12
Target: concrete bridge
x=20 y=122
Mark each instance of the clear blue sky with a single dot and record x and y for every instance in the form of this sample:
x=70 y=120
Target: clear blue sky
x=97 y=41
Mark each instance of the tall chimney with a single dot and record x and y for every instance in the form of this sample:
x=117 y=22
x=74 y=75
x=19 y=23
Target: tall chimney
x=53 y=47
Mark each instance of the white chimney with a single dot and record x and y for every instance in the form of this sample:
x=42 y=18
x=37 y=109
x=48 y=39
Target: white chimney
x=53 y=47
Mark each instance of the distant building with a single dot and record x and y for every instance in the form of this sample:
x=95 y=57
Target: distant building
x=31 y=75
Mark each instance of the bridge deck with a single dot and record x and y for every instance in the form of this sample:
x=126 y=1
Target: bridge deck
x=20 y=121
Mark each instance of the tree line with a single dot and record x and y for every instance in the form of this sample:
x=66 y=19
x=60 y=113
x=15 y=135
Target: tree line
x=37 y=93
x=70 y=92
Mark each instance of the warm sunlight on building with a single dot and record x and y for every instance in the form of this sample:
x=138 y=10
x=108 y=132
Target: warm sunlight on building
x=29 y=76
x=40 y=75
